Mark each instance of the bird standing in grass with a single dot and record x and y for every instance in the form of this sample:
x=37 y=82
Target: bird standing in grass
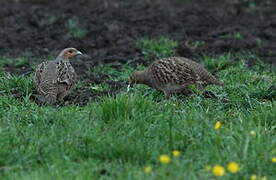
x=174 y=75
x=54 y=79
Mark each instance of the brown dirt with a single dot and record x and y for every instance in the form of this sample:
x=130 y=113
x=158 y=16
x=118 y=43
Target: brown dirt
x=38 y=29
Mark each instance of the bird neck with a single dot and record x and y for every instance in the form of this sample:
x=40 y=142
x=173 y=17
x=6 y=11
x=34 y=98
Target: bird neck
x=62 y=58
x=142 y=78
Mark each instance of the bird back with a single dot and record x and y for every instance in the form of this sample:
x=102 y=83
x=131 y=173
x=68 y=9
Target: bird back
x=177 y=71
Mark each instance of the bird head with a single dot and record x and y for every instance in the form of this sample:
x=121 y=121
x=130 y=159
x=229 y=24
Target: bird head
x=135 y=77
x=132 y=78
x=69 y=53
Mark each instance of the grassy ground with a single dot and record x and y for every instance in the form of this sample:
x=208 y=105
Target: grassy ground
x=117 y=137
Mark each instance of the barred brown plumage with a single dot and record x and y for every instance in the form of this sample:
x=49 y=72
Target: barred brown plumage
x=174 y=75
x=54 y=79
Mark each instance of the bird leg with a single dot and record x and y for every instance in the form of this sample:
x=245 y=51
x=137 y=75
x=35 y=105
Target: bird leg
x=167 y=94
x=178 y=89
x=181 y=90
x=62 y=91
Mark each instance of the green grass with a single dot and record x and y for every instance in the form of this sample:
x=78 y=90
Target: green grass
x=116 y=137
x=157 y=48
x=74 y=28
x=235 y=35
x=11 y=84
x=195 y=44
x=115 y=74
x=18 y=62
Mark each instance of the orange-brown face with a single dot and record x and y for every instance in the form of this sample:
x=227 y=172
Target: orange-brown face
x=69 y=53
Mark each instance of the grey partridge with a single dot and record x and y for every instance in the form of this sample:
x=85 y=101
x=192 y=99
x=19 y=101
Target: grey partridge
x=174 y=75
x=54 y=79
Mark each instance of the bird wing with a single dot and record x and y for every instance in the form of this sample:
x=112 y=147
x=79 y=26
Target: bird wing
x=66 y=74
x=45 y=79
x=38 y=73
x=185 y=71
x=173 y=72
x=203 y=76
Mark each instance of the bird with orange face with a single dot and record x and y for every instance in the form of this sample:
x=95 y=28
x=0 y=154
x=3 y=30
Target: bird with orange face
x=54 y=79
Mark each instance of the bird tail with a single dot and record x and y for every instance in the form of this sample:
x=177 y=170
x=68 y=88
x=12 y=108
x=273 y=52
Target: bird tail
x=219 y=83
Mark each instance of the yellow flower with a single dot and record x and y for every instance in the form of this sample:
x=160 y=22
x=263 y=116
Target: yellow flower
x=253 y=177
x=148 y=169
x=218 y=170
x=164 y=159
x=273 y=159
x=233 y=167
x=176 y=153
x=252 y=133
x=217 y=125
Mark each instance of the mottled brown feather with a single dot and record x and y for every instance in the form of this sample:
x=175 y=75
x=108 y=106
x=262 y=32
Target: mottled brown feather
x=175 y=74
x=54 y=79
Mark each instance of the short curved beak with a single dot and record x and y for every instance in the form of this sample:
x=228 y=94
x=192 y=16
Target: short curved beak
x=79 y=53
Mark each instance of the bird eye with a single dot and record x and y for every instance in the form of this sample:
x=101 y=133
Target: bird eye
x=70 y=51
